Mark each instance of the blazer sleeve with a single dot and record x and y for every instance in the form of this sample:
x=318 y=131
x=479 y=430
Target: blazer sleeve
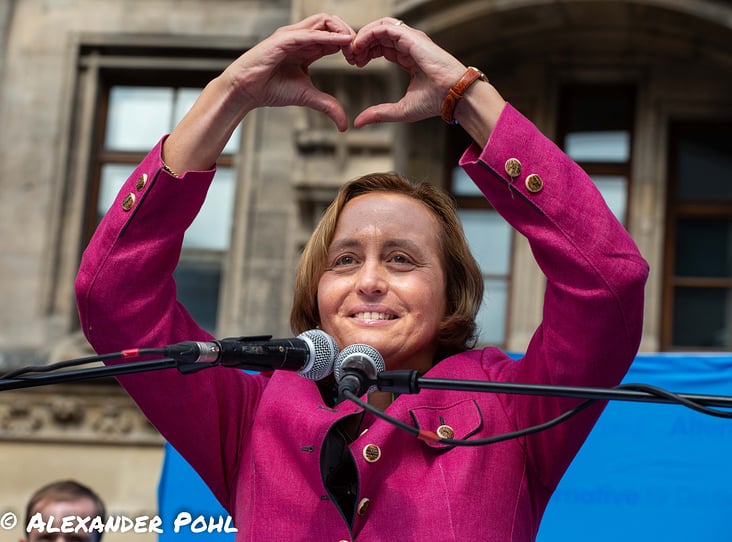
x=126 y=297
x=593 y=304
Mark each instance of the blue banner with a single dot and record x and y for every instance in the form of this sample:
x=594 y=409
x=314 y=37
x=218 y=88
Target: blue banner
x=187 y=507
x=652 y=471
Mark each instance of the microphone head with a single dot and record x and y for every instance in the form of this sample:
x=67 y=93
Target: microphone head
x=361 y=357
x=323 y=352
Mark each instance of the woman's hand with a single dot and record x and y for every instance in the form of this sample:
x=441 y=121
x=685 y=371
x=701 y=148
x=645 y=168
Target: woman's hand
x=272 y=73
x=432 y=70
x=275 y=72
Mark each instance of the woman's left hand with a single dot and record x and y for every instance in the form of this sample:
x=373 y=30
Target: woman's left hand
x=432 y=70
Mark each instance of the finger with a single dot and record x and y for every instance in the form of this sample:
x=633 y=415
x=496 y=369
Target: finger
x=306 y=52
x=385 y=30
x=327 y=104
x=320 y=37
x=376 y=49
x=325 y=22
x=386 y=39
x=338 y=25
x=303 y=45
x=384 y=21
x=375 y=114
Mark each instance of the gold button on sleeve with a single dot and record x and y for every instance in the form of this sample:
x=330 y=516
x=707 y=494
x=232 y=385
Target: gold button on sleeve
x=534 y=183
x=513 y=167
x=129 y=202
x=141 y=182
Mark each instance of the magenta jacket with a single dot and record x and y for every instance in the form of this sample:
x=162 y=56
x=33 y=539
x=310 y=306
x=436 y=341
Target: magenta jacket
x=256 y=439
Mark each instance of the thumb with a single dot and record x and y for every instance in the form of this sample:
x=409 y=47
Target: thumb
x=325 y=103
x=388 y=112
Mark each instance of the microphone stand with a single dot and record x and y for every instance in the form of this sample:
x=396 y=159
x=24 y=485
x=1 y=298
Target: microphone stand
x=403 y=381
x=409 y=381
x=42 y=379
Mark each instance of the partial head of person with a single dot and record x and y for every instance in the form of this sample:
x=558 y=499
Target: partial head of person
x=50 y=504
x=389 y=266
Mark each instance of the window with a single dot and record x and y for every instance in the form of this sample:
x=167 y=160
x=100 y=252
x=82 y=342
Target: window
x=595 y=129
x=698 y=263
x=141 y=98
x=491 y=241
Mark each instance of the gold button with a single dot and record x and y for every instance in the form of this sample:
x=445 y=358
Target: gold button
x=363 y=506
x=513 y=167
x=128 y=202
x=534 y=183
x=141 y=181
x=445 y=431
x=371 y=453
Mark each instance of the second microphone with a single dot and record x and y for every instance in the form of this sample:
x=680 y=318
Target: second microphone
x=311 y=354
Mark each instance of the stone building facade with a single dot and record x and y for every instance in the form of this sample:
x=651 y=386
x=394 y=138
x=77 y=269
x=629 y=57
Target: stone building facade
x=638 y=91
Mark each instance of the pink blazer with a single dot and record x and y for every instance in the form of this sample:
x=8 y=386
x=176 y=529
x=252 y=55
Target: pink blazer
x=256 y=440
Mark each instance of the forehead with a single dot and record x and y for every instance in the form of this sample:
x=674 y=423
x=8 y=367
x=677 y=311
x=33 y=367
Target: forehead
x=77 y=507
x=387 y=213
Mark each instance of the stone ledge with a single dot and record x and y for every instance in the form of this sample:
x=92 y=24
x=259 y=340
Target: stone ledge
x=98 y=414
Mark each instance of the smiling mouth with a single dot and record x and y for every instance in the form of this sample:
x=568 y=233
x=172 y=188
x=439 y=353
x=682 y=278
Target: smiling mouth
x=373 y=316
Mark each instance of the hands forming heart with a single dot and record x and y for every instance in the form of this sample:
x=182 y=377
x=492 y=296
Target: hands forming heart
x=275 y=71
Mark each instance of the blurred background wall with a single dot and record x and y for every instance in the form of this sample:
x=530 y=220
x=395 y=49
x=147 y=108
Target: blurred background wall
x=639 y=92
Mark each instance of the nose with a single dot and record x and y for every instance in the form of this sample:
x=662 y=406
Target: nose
x=372 y=279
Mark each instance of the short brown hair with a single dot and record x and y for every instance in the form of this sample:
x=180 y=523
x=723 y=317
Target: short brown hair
x=458 y=330
x=63 y=491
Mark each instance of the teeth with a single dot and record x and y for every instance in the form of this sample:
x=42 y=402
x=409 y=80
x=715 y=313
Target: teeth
x=373 y=316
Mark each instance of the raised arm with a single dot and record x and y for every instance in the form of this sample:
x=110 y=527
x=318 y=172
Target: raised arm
x=593 y=305
x=125 y=290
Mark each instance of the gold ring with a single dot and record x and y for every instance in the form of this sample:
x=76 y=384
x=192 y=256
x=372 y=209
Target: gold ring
x=399 y=22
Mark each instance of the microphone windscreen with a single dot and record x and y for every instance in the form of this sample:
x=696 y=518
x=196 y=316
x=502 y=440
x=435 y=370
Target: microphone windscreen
x=361 y=357
x=323 y=353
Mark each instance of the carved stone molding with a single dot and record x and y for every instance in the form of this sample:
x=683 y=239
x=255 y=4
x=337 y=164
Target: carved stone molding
x=98 y=414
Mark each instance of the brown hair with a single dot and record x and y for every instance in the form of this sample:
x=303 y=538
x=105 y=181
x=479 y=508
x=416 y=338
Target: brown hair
x=63 y=491
x=464 y=293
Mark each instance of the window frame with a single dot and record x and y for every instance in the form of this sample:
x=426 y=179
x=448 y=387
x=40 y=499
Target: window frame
x=676 y=210
x=569 y=92
x=456 y=145
x=100 y=60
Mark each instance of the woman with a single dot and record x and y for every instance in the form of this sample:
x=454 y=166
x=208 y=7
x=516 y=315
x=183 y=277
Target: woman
x=387 y=267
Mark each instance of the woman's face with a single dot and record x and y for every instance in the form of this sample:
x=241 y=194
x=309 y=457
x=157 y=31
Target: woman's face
x=384 y=282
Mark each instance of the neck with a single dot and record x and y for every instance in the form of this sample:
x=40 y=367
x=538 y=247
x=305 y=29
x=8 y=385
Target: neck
x=381 y=399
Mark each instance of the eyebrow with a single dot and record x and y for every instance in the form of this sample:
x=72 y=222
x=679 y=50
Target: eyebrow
x=350 y=243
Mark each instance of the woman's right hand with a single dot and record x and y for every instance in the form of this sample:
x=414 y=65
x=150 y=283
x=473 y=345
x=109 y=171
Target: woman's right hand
x=273 y=73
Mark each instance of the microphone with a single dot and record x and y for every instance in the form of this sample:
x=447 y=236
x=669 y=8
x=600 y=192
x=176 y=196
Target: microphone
x=356 y=369
x=312 y=354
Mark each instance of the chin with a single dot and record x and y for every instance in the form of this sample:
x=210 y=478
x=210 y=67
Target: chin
x=371 y=339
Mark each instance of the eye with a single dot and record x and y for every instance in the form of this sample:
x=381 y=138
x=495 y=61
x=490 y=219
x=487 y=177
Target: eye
x=343 y=260
x=401 y=260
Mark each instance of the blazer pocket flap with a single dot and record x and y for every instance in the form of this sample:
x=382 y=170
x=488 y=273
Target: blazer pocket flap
x=457 y=421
